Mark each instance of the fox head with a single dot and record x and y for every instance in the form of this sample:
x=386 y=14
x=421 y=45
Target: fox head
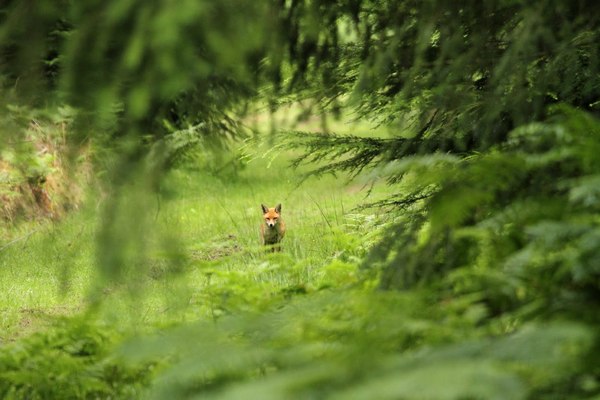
x=271 y=215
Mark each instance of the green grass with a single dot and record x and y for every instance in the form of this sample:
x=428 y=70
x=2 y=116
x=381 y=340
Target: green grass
x=199 y=308
x=201 y=257
x=38 y=279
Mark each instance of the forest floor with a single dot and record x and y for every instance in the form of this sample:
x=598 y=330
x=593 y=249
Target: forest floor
x=136 y=295
x=210 y=222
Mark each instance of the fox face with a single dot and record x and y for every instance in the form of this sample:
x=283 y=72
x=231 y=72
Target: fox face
x=271 y=215
x=273 y=229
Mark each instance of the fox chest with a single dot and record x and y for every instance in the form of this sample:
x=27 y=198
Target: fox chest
x=271 y=235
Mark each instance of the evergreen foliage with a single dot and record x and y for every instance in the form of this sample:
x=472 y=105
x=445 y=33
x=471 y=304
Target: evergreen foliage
x=494 y=106
x=484 y=281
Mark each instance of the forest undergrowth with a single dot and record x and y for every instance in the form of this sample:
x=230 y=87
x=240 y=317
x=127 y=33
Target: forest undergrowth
x=203 y=263
x=207 y=311
x=473 y=273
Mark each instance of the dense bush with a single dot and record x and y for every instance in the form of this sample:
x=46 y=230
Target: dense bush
x=70 y=361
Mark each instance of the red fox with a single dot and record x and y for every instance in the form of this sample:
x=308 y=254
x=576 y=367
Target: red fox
x=273 y=230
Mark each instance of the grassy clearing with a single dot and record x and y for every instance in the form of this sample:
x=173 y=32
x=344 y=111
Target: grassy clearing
x=46 y=273
x=200 y=262
x=202 y=309
x=221 y=267
x=225 y=269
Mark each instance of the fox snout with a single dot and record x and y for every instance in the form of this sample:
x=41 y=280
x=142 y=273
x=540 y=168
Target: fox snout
x=270 y=224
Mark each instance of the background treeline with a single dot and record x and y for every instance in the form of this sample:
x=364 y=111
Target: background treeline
x=484 y=280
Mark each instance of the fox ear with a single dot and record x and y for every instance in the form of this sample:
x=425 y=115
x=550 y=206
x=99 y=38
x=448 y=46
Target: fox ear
x=264 y=208
x=278 y=208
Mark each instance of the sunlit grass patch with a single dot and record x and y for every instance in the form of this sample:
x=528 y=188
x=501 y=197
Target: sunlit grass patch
x=215 y=264
x=44 y=276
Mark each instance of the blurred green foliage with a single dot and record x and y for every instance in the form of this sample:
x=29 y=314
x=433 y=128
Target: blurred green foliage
x=484 y=280
x=73 y=361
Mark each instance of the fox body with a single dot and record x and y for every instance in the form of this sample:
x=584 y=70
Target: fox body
x=273 y=228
